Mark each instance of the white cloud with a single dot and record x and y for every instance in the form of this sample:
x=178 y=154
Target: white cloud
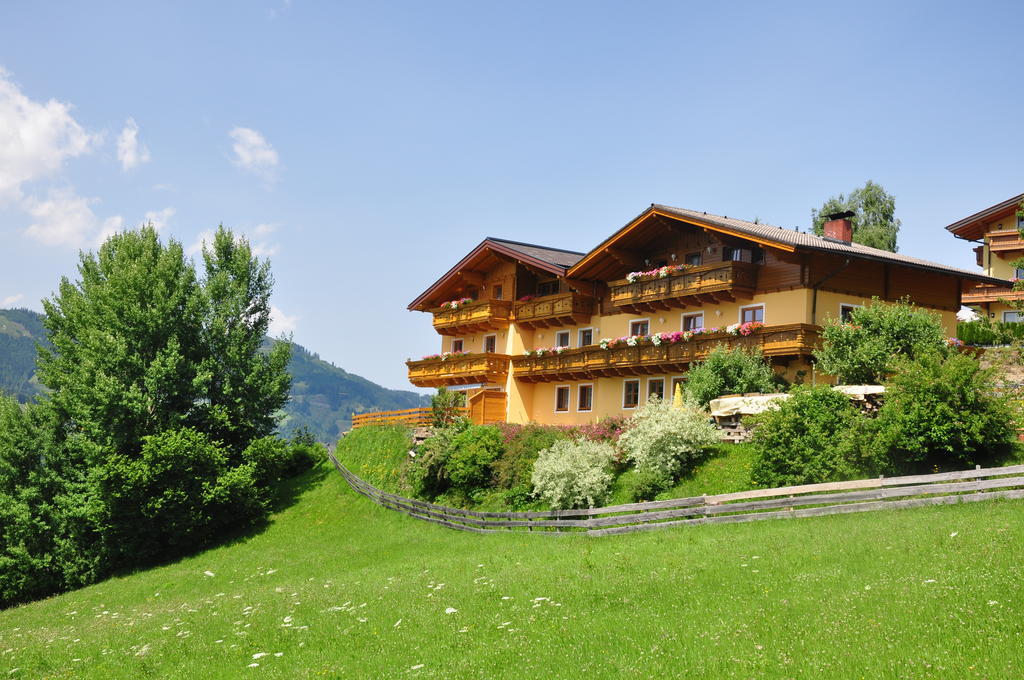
x=66 y=219
x=254 y=153
x=35 y=139
x=130 y=151
x=264 y=229
x=261 y=245
x=281 y=322
x=197 y=246
x=159 y=218
x=12 y=300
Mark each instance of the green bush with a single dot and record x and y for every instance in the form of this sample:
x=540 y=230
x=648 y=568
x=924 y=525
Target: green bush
x=269 y=457
x=864 y=350
x=647 y=483
x=428 y=473
x=573 y=473
x=445 y=407
x=811 y=437
x=174 y=496
x=473 y=452
x=985 y=332
x=942 y=411
x=515 y=467
x=666 y=441
x=730 y=371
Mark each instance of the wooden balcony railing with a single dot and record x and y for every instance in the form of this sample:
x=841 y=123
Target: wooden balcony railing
x=565 y=309
x=985 y=293
x=692 y=287
x=789 y=340
x=466 y=369
x=1005 y=240
x=486 y=315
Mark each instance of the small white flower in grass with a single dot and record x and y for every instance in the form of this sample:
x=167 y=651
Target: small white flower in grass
x=929 y=580
x=992 y=603
x=208 y=573
x=417 y=666
x=953 y=535
x=287 y=619
x=253 y=665
x=396 y=623
x=259 y=655
x=217 y=642
x=867 y=587
x=451 y=610
x=278 y=654
x=506 y=597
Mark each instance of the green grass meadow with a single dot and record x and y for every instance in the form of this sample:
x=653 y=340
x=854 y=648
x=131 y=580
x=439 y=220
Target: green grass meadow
x=338 y=587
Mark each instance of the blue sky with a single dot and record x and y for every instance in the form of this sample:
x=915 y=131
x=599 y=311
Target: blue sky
x=365 y=148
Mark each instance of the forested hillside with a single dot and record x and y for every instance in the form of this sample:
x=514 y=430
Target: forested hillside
x=322 y=399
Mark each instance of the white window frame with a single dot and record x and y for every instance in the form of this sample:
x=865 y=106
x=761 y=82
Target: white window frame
x=462 y=347
x=846 y=304
x=568 y=338
x=633 y=321
x=647 y=392
x=624 y=383
x=580 y=387
x=764 y=312
x=568 y=399
x=682 y=319
x=484 y=345
x=579 y=336
x=1005 y=320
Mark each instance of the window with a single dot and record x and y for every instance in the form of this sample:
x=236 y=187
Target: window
x=561 y=398
x=585 y=398
x=586 y=337
x=497 y=292
x=1018 y=273
x=639 y=327
x=457 y=345
x=562 y=339
x=733 y=254
x=490 y=343
x=655 y=388
x=1013 y=317
x=845 y=311
x=547 y=288
x=630 y=393
x=748 y=314
x=692 y=322
x=757 y=255
x=692 y=259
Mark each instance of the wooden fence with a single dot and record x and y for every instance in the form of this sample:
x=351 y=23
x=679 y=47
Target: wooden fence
x=811 y=500
x=414 y=417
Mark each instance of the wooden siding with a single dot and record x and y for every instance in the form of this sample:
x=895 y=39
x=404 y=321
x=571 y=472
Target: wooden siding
x=587 y=363
x=459 y=370
x=487 y=406
x=1006 y=240
x=983 y=294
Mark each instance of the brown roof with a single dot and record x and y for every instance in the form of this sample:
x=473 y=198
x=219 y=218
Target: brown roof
x=973 y=226
x=553 y=260
x=786 y=239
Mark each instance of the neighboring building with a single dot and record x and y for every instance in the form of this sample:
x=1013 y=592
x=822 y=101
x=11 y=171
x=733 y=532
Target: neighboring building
x=998 y=231
x=527 y=328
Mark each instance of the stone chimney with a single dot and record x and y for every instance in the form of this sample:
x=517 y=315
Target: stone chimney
x=839 y=227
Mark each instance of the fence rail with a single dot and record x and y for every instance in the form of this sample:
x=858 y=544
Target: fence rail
x=810 y=500
x=415 y=417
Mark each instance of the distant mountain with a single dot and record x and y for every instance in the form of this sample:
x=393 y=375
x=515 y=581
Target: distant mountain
x=323 y=396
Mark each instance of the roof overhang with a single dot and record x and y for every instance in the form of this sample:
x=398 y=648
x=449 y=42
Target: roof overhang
x=973 y=227
x=477 y=255
x=579 y=270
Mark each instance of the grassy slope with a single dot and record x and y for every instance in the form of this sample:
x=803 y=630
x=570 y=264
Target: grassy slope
x=343 y=588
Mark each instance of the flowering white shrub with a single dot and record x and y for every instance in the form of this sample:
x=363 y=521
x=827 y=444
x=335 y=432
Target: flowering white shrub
x=666 y=440
x=573 y=473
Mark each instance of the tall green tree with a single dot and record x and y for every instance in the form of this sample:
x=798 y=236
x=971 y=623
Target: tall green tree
x=874 y=220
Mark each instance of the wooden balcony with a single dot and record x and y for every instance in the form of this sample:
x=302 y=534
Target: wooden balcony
x=486 y=315
x=984 y=293
x=565 y=309
x=1004 y=242
x=467 y=369
x=725 y=281
x=584 y=363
